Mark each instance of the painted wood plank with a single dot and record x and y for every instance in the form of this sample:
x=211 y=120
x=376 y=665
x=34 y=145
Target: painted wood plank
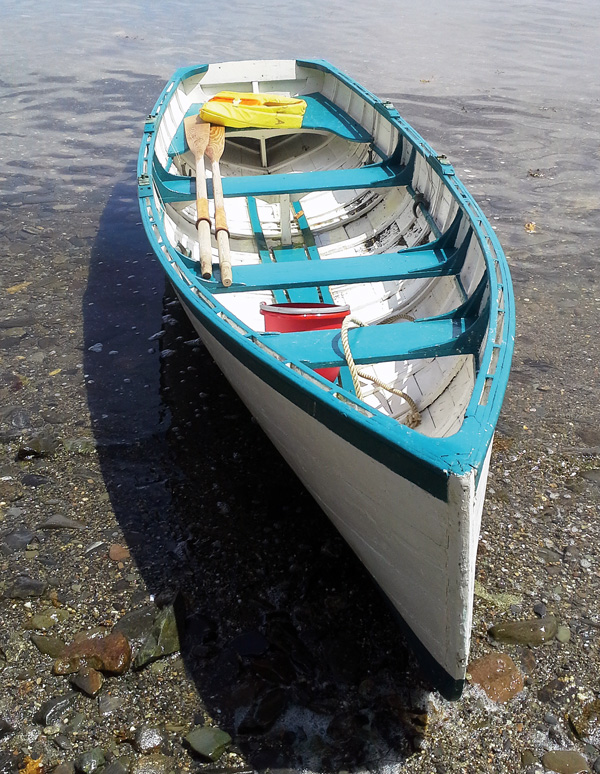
x=378 y=343
x=178 y=188
x=289 y=272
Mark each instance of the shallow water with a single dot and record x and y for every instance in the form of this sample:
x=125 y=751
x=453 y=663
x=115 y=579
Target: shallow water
x=90 y=341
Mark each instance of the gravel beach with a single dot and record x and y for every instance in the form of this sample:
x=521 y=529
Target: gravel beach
x=171 y=598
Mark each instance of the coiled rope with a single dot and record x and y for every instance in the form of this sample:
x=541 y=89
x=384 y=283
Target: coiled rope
x=413 y=418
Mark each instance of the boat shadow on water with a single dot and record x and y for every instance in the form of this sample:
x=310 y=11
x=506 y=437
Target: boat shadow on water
x=290 y=647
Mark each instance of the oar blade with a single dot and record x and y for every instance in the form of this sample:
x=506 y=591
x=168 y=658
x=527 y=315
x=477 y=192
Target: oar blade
x=197 y=134
x=216 y=143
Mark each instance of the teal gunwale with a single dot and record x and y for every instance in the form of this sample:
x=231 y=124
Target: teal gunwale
x=427 y=462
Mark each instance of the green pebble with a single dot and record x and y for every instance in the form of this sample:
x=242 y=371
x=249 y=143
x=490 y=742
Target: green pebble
x=208 y=742
x=563 y=634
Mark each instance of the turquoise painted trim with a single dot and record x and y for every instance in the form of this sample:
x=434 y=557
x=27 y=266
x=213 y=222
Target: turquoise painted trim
x=175 y=188
x=379 y=343
x=426 y=461
x=261 y=243
x=407 y=264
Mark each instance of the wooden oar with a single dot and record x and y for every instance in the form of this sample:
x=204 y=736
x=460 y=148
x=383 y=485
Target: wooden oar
x=197 y=134
x=214 y=151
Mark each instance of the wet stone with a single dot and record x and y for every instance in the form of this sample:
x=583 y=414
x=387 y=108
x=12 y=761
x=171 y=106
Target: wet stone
x=563 y=634
x=25 y=587
x=110 y=654
x=34 y=480
x=149 y=739
x=80 y=445
x=118 y=553
x=558 y=691
x=162 y=640
x=152 y=764
x=498 y=675
x=5 y=728
x=565 y=762
x=58 y=521
x=89 y=761
x=585 y=721
x=118 y=766
x=208 y=742
x=18 y=539
x=532 y=632
x=109 y=704
x=53 y=710
x=136 y=624
x=88 y=681
x=42 y=445
x=64 y=768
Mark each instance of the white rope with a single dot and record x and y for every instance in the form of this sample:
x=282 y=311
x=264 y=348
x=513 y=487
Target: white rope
x=413 y=418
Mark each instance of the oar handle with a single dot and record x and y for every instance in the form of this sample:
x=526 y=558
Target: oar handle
x=203 y=220
x=221 y=228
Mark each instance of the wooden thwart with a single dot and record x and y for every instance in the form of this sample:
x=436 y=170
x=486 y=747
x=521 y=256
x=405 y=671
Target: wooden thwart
x=379 y=343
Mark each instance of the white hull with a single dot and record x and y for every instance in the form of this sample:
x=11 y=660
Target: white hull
x=420 y=551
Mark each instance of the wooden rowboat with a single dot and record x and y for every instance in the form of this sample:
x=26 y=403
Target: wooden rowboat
x=353 y=220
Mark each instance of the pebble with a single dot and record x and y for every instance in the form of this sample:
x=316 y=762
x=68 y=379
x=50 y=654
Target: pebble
x=563 y=634
x=110 y=654
x=58 y=521
x=24 y=587
x=34 y=480
x=162 y=640
x=17 y=540
x=149 y=739
x=5 y=728
x=118 y=553
x=585 y=721
x=531 y=632
x=152 y=764
x=88 y=680
x=80 y=445
x=53 y=710
x=209 y=742
x=90 y=761
x=136 y=624
x=108 y=704
x=117 y=766
x=565 y=762
x=64 y=768
x=540 y=609
x=498 y=675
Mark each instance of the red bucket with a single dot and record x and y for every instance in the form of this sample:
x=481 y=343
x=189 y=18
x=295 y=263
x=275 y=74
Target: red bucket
x=284 y=318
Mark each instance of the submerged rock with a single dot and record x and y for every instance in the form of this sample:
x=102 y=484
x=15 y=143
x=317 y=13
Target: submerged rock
x=498 y=675
x=534 y=631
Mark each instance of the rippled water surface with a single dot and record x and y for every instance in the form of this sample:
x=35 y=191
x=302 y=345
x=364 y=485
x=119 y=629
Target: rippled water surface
x=92 y=343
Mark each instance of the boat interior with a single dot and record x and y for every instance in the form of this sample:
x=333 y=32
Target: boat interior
x=343 y=211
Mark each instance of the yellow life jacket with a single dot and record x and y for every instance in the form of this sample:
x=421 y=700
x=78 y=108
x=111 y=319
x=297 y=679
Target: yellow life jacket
x=242 y=110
